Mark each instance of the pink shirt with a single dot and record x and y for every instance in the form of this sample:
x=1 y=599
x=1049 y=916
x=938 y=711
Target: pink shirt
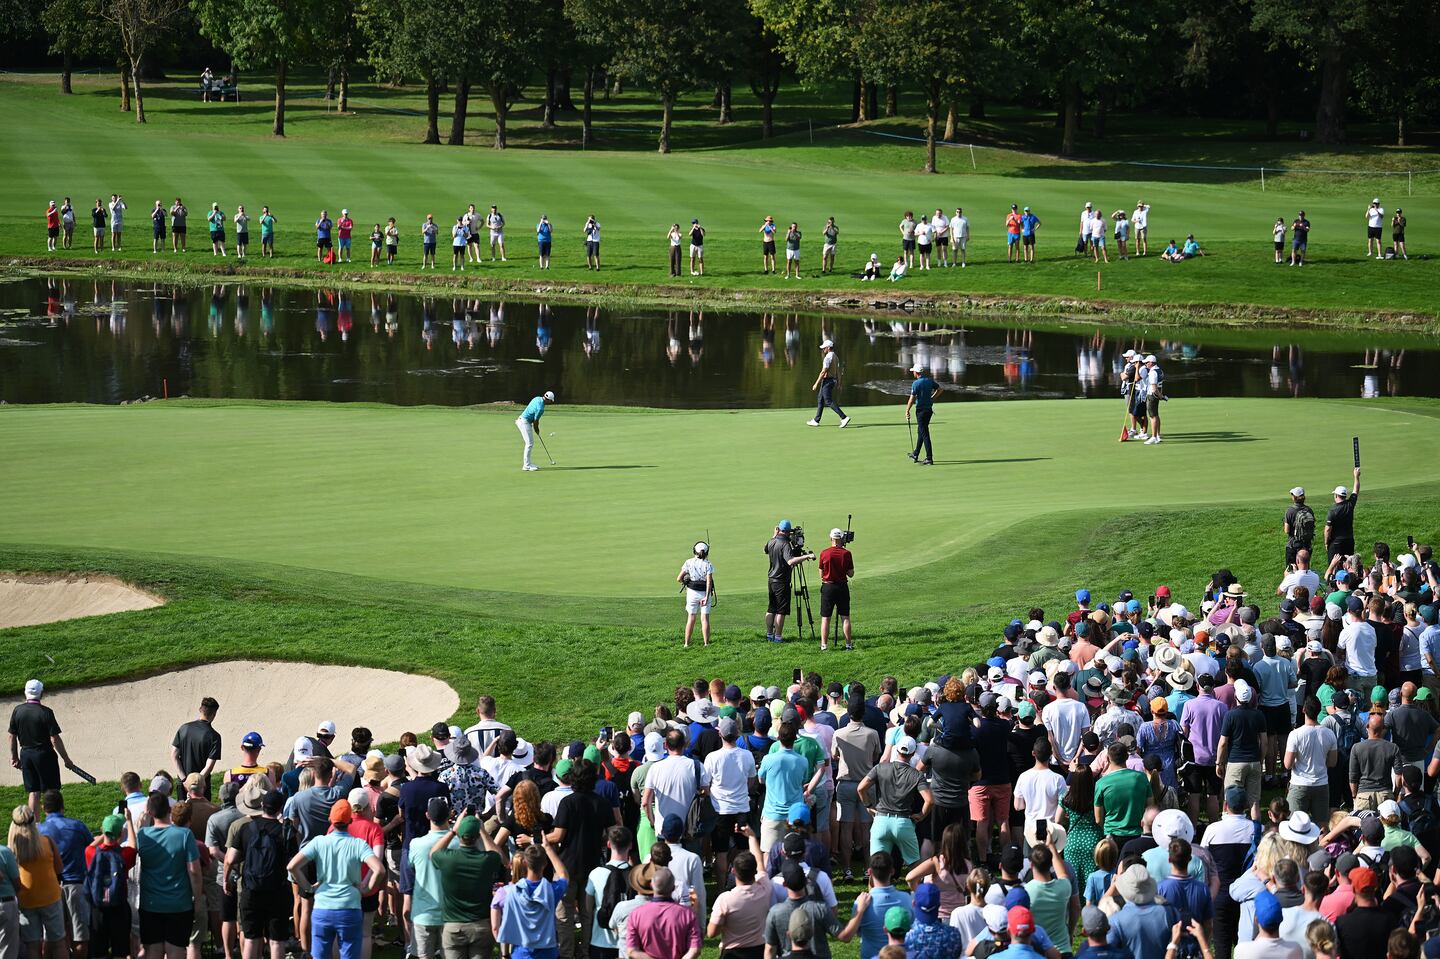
x=739 y=914
x=665 y=930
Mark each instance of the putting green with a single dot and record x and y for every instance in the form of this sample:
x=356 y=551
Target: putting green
x=436 y=496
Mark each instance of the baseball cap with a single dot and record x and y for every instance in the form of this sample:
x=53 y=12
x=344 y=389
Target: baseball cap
x=437 y=809
x=1093 y=921
x=1128 y=353
x=161 y=784
x=1243 y=692
x=1341 y=491
x=341 y=812
x=798 y=812
x=636 y=718
x=728 y=726
x=1082 y=595
x=917 y=368
x=1364 y=879
x=905 y=746
x=927 y=900
x=440 y=731
x=1162 y=591
x=1267 y=910
x=34 y=689
x=784 y=526
x=327 y=728
x=1149 y=357
x=549 y=396
x=801 y=926
x=469 y=828
x=1354 y=604
x=1021 y=921
x=252 y=740
x=1025 y=710
x=112 y=825
x=1319 y=861
x=304 y=748
x=1389 y=808
x=897 y=919
x=836 y=533
x=1297 y=491
x=826 y=344
x=793 y=845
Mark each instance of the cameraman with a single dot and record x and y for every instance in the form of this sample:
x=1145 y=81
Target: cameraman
x=783 y=559
x=697 y=575
x=836 y=568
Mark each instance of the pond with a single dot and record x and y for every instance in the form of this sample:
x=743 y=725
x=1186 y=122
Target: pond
x=69 y=340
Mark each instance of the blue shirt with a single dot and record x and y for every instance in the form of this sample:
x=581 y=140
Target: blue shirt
x=9 y=872
x=1191 y=247
x=337 y=857
x=1189 y=895
x=1142 y=930
x=872 y=923
x=542 y=232
x=784 y=773
x=923 y=389
x=1095 y=886
x=70 y=837
x=322 y=229
x=1088 y=951
x=1429 y=648
x=1028 y=223
x=165 y=854
x=932 y=940
x=1276 y=675
x=534 y=410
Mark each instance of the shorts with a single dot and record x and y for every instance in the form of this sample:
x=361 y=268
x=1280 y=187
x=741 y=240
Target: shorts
x=99 y=231
x=895 y=835
x=592 y=247
x=544 y=247
x=322 y=243
x=772 y=832
x=267 y=915
x=427 y=941
x=242 y=238
x=1341 y=546
x=822 y=802
x=1279 y=245
x=178 y=230
x=834 y=598
x=779 y=599
x=1397 y=238
x=47 y=923
x=230 y=906
x=473 y=239
x=848 y=807
x=1098 y=240
x=1277 y=719
x=1012 y=238
x=52 y=231
x=406 y=872
x=1202 y=779
x=907 y=245
x=1247 y=776
x=1152 y=405
x=429 y=248
x=40 y=769
x=768 y=248
x=828 y=249
x=1373 y=232
x=1298 y=244
x=391 y=250
x=458 y=247
x=990 y=803
x=792 y=254
x=1028 y=240
x=157 y=231
x=697 y=250
x=697 y=602
x=217 y=236
x=942 y=241
x=345 y=243
x=171 y=928
x=726 y=835
x=467 y=938
x=497 y=236
x=77 y=910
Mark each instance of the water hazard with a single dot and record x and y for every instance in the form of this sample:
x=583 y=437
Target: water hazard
x=103 y=342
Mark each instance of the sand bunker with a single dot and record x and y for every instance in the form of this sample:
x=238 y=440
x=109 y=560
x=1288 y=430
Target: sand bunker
x=130 y=725
x=31 y=600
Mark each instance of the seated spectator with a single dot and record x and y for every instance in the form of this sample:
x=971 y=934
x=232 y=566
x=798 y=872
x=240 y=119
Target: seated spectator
x=1191 y=248
x=872 y=268
x=1172 y=253
x=897 y=272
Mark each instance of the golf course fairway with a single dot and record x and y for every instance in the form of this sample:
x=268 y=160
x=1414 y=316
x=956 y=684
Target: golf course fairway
x=436 y=496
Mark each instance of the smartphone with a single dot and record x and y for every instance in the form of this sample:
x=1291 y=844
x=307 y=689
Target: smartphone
x=1410 y=541
x=795 y=676
x=606 y=732
x=468 y=811
x=1152 y=600
x=1042 y=829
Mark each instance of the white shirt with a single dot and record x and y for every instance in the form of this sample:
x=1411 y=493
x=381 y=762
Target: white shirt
x=922 y=234
x=1293 y=923
x=731 y=770
x=1375 y=216
x=1357 y=642
x=1139 y=218
x=1311 y=745
x=550 y=802
x=1041 y=790
x=1066 y=721
x=1267 y=949
x=495 y=221
x=592 y=231
x=696 y=569
x=1300 y=577
x=940 y=225
x=1203 y=664
x=1085 y=219
x=823 y=885
x=1097 y=226
x=117 y=214
x=688 y=875
x=1280 y=229
x=673 y=780
x=960 y=227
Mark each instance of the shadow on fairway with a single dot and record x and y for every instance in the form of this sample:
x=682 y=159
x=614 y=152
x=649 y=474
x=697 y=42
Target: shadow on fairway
x=1211 y=436
x=1017 y=459
x=635 y=466
x=871 y=426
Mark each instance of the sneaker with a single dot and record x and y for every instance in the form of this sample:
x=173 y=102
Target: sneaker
x=844 y=422
x=1156 y=439
x=824 y=648
x=1141 y=435
x=914 y=457
x=849 y=647
x=1152 y=441
x=849 y=875
x=927 y=462
x=532 y=468
x=769 y=637
x=812 y=422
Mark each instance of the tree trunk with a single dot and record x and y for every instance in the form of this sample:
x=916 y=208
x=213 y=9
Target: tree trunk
x=329 y=84
x=547 y=113
x=892 y=100
x=1272 y=110
x=432 y=110
x=615 y=88
x=65 y=71
x=1334 y=89
x=587 y=101
x=139 y=94
x=932 y=117
x=344 y=88
x=667 y=113
x=1400 y=128
x=950 y=121
x=727 y=114
x=1072 y=118
x=124 y=87
x=563 y=99
x=1100 y=105
x=500 y=99
x=280 y=68
x=457 y=121
x=977 y=107
x=767 y=114
x=857 y=101
x=872 y=100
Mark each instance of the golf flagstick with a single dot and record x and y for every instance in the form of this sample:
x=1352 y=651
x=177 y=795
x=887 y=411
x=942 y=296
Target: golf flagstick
x=1125 y=433
x=1355 y=445
x=82 y=774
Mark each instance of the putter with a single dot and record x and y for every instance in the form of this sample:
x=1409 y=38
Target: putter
x=545 y=448
x=911 y=430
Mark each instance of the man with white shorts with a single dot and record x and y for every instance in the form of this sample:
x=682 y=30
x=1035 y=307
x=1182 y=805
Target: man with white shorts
x=697 y=575
x=1374 y=229
x=1140 y=223
x=940 y=228
x=496 y=223
x=528 y=422
x=960 y=234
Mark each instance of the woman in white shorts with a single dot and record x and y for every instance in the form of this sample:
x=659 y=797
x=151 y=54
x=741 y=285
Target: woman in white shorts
x=697 y=577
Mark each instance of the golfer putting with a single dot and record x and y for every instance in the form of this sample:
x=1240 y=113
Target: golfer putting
x=922 y=401
x=528 y=423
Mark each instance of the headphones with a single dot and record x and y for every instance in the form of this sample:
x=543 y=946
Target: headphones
x=701 y=548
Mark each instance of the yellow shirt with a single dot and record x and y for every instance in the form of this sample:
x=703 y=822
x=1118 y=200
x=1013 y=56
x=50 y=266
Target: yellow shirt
x=40 y=878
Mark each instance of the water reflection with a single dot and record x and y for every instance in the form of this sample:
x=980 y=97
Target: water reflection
x=67 y=340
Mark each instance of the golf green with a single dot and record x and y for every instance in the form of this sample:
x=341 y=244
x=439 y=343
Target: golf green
x=436 y=496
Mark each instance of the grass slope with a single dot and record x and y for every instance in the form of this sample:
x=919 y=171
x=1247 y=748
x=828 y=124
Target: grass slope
x=221 y=152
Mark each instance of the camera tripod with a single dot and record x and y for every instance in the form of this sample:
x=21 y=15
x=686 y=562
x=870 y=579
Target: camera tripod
x=802 y=596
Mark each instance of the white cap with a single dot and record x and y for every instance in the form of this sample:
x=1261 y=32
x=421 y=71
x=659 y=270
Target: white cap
x=701 y=548
x=161 y=784
x=1004 y=704
x=1407 y=561
x=917 y=368
x=1283 y=642
x=996 y=674
x=1376 y=200
x=1128 y=353
x=304 y=749
x=826 y=345
x=905 y=746
x=837 y=533
x=1341 y=491
x=757 y=694
x=1314 y=646
x=549 y=397
x=326 y=726
x=34 y=689
x=1037 y=678
x=1389 y=808
x=359 y=798
x=1087 y=204
x=1297 y=491
x=1243 y=692
x=1149 y=357
x=344 y=212
x=636 y=718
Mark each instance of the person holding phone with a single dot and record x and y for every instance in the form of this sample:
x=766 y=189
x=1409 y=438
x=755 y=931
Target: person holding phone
x=697 y=577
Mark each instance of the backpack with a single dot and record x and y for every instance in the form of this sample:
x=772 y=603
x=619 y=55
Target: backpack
x=984 y=948
x=1303 y=529
x=617 y=890
x=265 y=859
x=1347 y=736
x=1422 y=814
x=106 y=881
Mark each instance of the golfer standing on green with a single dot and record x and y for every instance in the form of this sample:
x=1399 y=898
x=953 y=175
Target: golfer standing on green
x=825 y=384
x=922 y=401
x=528 y=422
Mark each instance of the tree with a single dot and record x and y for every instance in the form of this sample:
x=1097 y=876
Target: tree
x=590 y=52
x=765 y=63
x=1331 y=35
x=1400 y=80
x=258 y=33
x=414 y=38
x=75 y=30
x=140 y=25
x=500 y=56
x=822 y=41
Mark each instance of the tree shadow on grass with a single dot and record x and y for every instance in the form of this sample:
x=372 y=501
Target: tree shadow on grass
x=1211 y=436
